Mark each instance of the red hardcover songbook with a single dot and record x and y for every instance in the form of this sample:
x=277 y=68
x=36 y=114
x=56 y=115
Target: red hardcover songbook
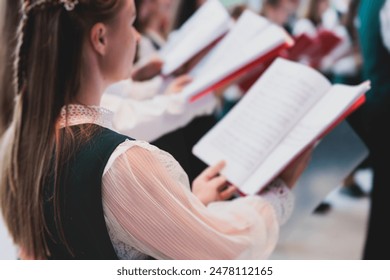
x=323 y=44
x=311 y=50
x=291 y=107
x=302 y=44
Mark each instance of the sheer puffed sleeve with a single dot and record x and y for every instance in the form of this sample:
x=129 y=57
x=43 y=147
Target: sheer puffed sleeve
x=149 y=209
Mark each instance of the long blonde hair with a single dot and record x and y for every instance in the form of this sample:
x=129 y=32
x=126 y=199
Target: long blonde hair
x=46 y=78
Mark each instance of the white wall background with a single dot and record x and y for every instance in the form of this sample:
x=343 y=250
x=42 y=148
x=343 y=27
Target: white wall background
x=7 y=249
x=253 y=4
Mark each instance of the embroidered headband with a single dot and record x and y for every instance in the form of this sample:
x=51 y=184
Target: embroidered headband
x=69 y=5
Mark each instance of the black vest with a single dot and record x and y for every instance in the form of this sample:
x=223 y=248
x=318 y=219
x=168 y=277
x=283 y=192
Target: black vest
x=81 y=200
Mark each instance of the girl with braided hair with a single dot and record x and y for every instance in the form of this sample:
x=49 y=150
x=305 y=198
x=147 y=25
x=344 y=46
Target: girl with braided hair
x=72 y=188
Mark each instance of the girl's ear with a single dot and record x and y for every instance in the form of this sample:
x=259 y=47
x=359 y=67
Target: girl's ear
x=98 y=38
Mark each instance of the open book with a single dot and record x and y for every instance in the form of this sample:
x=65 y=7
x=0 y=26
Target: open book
x=253 y=40
x=208 y=24
x=290 y=107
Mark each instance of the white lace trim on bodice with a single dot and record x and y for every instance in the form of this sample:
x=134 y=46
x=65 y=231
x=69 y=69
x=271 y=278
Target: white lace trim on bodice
x=76 y=114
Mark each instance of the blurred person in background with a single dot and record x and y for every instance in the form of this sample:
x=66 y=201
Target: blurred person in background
x=376 y=116
x=295 y=6
x=313 y=18
x=186 y=9
x=346 y=68
x=179 y=143
x=278 y=11
x=152 y=23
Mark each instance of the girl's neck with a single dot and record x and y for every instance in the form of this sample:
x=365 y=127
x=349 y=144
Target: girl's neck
x=89 y=94
x=92 y=85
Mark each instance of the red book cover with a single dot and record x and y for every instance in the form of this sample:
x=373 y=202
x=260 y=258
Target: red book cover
x=325 y=42
x=302 y=44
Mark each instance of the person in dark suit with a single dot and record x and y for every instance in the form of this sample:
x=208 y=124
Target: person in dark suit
x=375 y=118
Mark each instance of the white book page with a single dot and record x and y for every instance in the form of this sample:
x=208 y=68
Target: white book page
x=188 y=26
x=251 y=38
x=209 y=23
x=329 y=109
x=247 y=27
x=270 y=109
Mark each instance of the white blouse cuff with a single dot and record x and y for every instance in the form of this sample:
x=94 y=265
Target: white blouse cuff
x=281 y=198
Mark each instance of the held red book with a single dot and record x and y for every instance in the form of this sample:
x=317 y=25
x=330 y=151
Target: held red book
x=289 y=108
x=312 y=50
x=302 y=44
x=325 y=42
x=252 y=41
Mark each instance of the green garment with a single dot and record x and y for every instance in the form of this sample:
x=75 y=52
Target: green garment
x=376 y=58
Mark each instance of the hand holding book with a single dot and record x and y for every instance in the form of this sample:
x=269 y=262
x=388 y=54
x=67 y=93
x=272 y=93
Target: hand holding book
x=291 y=174
x=148 y=70
x=210 y=186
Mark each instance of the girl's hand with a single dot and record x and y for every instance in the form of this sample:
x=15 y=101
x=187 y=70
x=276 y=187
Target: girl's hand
x=209 y=186
x=177 y=85
x=291 y=174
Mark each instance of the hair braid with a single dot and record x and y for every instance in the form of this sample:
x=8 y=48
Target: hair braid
x=19 y=71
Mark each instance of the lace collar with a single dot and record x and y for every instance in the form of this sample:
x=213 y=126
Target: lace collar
x=76 y=114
